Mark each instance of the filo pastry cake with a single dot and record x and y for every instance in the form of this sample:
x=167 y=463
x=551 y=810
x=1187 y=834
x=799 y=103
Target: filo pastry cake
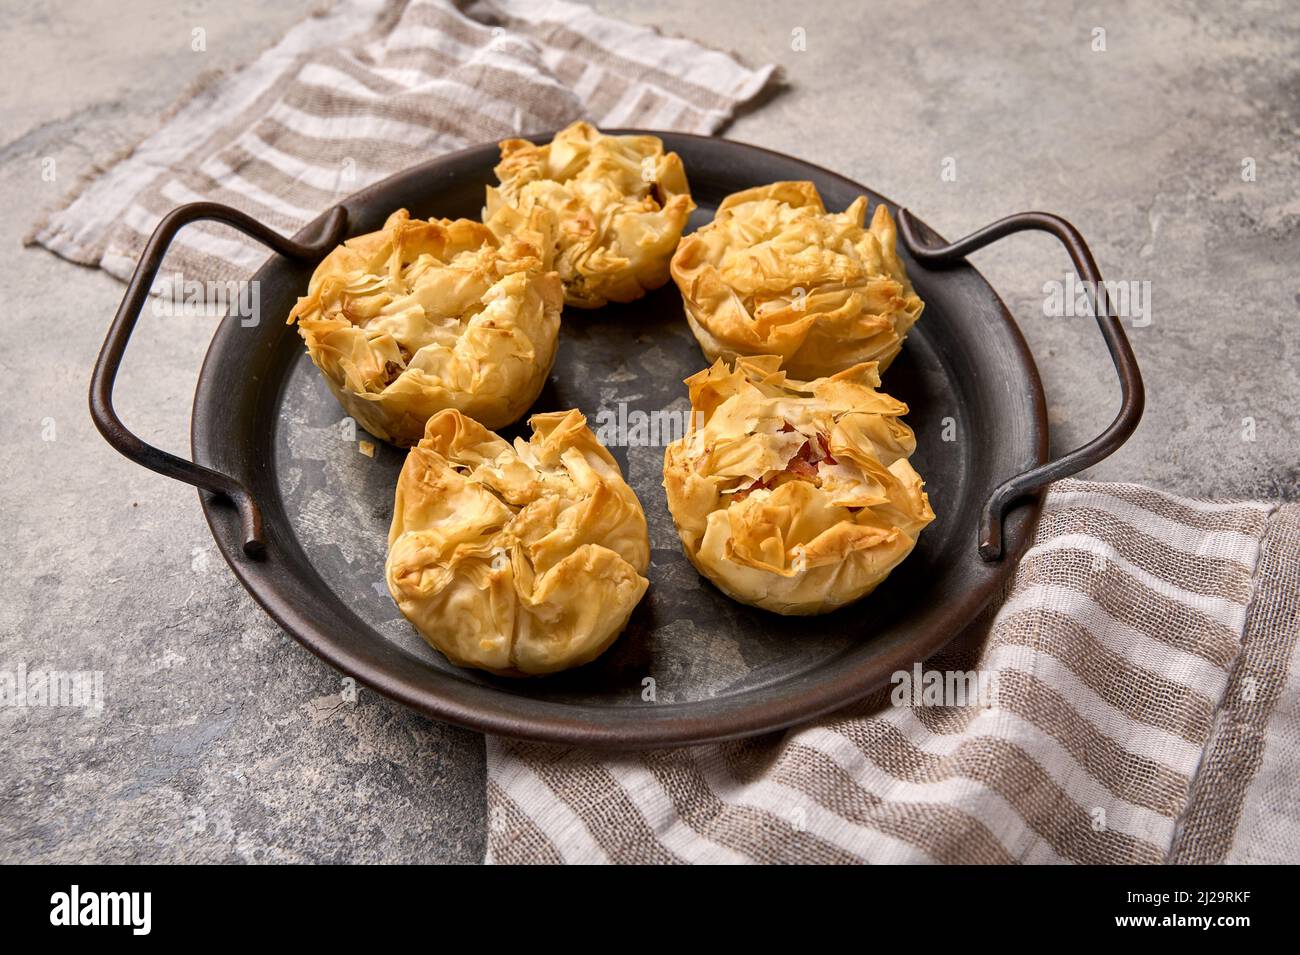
x=423 y=316
x=522 y=558
x=794 y=496
x=619 y=204
x=774 y=273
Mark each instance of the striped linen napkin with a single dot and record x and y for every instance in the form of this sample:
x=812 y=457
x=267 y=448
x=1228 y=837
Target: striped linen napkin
x=1146 y=708
x=369 y=88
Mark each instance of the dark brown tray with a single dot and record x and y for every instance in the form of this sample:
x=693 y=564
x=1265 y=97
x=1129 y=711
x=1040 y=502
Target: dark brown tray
x=302 y=517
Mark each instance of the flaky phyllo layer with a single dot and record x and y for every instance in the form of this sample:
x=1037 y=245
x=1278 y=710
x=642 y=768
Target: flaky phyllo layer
x=794 y=496
x=518 y=559
x=775 y=274
x=422 y=316
x=618 y=203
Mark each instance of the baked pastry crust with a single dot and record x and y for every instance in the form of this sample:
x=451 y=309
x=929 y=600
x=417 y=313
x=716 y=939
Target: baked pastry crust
x=794 y=496
x=426 y=315
x=775 y=274
x=619 y=204
x=519 y=559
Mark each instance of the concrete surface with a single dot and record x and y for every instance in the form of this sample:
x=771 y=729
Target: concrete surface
x=222 y=740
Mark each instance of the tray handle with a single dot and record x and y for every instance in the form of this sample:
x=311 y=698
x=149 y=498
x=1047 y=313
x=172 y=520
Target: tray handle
x=1133 y=396
x=128 y=313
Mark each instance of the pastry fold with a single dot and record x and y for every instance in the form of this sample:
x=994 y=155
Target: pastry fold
x=794 y=496
x=519 y=559
x=775 y=274
x=423 y=316
x=618 y=204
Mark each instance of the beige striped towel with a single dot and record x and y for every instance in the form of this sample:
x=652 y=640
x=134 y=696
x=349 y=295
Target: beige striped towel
x=1145 y=709
x=371 y=87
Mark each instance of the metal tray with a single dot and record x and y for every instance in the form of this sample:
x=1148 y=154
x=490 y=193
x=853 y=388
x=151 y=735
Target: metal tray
x=302 y=517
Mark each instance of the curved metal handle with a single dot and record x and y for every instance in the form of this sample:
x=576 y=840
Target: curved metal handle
x=1121 y=353
x=128 y=313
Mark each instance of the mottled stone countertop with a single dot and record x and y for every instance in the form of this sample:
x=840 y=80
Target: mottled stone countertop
x=223 y=740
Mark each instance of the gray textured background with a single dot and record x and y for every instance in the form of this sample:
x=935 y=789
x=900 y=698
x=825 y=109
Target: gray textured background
x=223 y=740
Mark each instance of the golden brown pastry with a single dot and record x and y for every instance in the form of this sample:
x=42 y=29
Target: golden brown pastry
x=619 y=204
x=422 y=316
x=794 y=496
x=775 y=274
x=523 y=559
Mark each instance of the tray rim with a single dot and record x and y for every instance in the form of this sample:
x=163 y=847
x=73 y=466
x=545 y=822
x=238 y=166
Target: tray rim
x=555 y=722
